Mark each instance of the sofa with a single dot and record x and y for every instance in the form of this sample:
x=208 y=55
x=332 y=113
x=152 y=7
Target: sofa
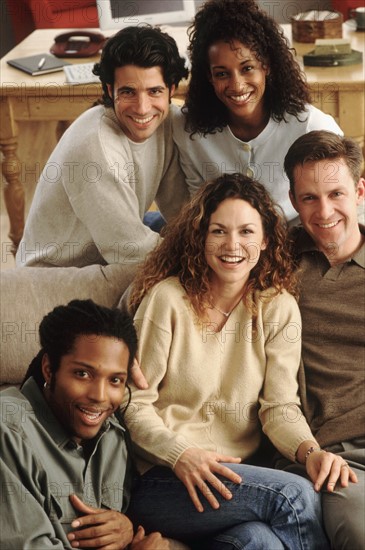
x=29 y=293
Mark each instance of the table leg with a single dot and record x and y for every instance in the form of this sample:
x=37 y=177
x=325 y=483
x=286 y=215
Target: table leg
x=13 y=191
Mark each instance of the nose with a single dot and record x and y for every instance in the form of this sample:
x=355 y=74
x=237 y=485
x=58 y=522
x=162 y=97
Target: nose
x=231 y=243
x=98 y=391
x=325 y=209
x=237 y=82
x=143 y=104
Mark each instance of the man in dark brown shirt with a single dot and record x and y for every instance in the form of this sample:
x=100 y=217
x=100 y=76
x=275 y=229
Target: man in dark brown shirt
x=326 y=188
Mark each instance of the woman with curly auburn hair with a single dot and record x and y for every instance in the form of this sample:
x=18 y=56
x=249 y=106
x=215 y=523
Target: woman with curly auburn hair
x=219 y=343
x=247 y=99
x=179 y=254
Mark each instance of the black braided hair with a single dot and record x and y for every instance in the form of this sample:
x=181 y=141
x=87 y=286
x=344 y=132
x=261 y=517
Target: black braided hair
x=59 y=329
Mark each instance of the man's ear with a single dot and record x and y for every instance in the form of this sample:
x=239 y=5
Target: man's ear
x=46 y=368
x=293 y=201
x=360 y=191
x=172 y=90
x=110 y=90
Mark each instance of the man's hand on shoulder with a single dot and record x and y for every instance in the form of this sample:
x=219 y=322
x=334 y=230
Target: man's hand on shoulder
x=138 y=376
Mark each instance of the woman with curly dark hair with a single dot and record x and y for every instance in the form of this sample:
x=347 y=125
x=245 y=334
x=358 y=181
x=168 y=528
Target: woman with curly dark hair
x=219 y=343
x=247 y=100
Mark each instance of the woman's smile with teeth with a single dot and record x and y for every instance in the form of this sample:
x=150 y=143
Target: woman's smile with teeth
x=240 y=98
x=232 y=259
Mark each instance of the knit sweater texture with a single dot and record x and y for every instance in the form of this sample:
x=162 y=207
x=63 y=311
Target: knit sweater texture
x=212 y=389
x=92 y=195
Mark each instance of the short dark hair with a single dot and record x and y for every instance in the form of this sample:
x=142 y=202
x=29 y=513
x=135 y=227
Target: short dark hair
x=60 y=328
x=242 y=20
x=320 y=145
x=143 y=46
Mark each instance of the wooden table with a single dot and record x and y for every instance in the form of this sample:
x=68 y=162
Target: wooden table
x=337 y=91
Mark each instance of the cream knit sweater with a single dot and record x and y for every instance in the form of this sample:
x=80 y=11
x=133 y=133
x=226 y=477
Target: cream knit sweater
x=90 y=200
x=211 y=389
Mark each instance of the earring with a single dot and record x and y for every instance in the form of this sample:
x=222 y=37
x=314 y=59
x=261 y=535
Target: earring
x=46 y=385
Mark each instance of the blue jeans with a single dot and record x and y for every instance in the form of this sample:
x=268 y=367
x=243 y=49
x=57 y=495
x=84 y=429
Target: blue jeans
x=344 y=508
x=250 y=535
x=154 y=220
x=284 y=507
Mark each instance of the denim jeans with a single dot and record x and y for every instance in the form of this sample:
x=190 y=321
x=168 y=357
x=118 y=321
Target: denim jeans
x=154 y=220
x=344 y=508
x=284 y=507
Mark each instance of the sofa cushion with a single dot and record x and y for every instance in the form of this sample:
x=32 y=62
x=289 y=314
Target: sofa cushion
x=29 y=293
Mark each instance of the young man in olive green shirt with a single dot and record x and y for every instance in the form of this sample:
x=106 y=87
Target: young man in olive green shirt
x=65 y=471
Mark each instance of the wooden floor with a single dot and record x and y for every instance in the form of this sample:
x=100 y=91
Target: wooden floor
x=36 y=142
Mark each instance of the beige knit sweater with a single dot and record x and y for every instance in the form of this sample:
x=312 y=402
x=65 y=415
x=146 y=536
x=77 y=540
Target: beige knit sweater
x=211 y=389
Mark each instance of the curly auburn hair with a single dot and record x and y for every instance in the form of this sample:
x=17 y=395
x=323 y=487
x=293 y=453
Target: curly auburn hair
x=143 y=46
x=182 y=251
x=286 y=90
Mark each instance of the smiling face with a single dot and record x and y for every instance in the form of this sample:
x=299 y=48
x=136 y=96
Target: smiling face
x=89 y=384
x=326 y=199
x=141 y=100
x=238 y=78
x=234 y=242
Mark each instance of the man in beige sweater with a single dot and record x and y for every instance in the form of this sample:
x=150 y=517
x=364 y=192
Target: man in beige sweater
x=112 y=163
x=326 y=189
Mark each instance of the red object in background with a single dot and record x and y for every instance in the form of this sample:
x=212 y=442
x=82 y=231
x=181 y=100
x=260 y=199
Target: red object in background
x=28 y=15
x=344 y=6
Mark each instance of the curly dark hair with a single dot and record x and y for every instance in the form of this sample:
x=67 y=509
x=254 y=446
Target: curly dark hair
x=143 y=46
x=182 y=251
x=241 y=20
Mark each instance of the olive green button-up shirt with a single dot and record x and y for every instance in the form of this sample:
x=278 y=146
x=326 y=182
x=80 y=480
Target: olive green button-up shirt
x=41 y=466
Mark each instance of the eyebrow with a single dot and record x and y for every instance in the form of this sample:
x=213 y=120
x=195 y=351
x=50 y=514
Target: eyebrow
x=241 y=63
x=87 y=365
x=133 y=88
x=315 y=193
x=240 y=226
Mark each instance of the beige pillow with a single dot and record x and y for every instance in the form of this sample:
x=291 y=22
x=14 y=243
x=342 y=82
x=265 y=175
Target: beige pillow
x=29 y=293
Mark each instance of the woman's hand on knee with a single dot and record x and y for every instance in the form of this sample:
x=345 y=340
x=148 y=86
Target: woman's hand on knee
x=322 y=466
x=198 y=470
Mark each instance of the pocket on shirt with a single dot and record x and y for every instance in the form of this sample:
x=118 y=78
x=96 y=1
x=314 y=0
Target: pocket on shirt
x=62 y=512
x=113 y=496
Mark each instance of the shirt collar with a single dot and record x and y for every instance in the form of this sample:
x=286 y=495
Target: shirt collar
x=48 y=420
x=304 y=243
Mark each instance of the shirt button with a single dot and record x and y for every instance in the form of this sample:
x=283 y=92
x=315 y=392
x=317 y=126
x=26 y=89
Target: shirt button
x=246 y=147
x=249 y=172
